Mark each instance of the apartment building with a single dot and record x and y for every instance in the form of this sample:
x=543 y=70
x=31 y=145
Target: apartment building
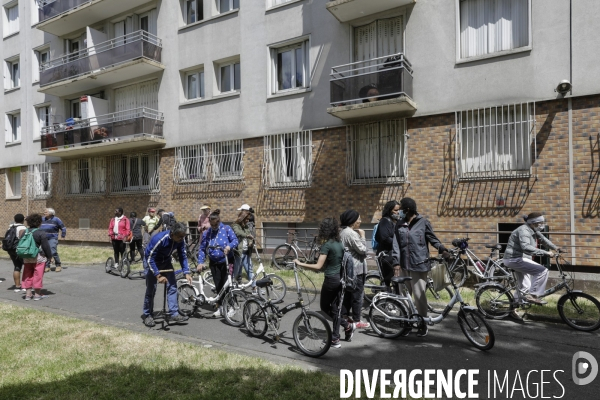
x=304 y=108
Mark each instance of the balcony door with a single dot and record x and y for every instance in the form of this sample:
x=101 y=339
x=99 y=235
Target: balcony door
x=378 y=39
x=131 y=97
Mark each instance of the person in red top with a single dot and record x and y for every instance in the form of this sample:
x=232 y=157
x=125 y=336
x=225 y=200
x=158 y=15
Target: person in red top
x=118 y=230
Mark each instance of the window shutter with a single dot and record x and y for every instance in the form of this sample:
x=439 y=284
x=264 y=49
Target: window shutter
x=389 y=32
x=365 y=42
x=7 y=129
x=17 y=120
x=153 y=22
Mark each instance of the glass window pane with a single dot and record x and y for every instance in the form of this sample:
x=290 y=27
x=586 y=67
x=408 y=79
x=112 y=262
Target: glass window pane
x=224 y=6
x=237 y=77
x=236 y=3
x=299 y=68
x=202 y=84
x=284 y=70
x=191 y=11
x=226 y=78
x=192 y=86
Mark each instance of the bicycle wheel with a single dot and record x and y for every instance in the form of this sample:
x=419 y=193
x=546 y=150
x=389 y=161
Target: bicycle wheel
x=373 y=285
x=255 y=318
x=125 y=268
x=109 y=265
x=431 y=308
x=580 y=311
x=459 y=272
x=276 y=292
x=282 y=255
x=312 y=334
x=476 y=329
x=379 y=316
x=233 y=307
x=494 y=301
x=186 y=299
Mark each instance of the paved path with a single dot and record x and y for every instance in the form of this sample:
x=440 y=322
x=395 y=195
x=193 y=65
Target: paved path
x=89 y=293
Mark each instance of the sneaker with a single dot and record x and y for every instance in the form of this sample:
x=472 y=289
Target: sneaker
x=218 y=313
x=42 y=297
x=515 y=315
x=57 y=269
x=46 y=269
x=534 y=300
x=349 y=332
x=362 y=325
x=422 y=331
x=19 y=290
x=28 y=298
x=177 y=319
x=231 y=313
x=149 y=321
x=336 y=344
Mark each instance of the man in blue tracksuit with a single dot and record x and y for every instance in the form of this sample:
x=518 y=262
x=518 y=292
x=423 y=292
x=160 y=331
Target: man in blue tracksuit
x=158 y=258
x=51 y=224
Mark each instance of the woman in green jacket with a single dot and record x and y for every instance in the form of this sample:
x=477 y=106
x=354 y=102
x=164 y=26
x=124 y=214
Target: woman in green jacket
x=243 y=253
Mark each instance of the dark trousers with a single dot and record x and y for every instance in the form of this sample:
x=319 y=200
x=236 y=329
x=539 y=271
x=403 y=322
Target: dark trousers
x=53 y=242
x=219 y=273
x=330 y=299
x=387 y=269
x=353 y=301
x=118 y=249
x=16 y=260
x=136 y=243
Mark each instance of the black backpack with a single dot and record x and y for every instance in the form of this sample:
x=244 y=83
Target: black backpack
x=11 y=240
x=348 y=274
x=169 y=220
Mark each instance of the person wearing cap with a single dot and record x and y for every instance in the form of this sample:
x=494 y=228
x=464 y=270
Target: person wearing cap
x=354 y=240
x=410 y=254
x=522 y=245
x=243 y=251
x=204 y=219
x=152 y=224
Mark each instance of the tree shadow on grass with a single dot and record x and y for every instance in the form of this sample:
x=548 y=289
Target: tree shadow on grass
x=116 y=381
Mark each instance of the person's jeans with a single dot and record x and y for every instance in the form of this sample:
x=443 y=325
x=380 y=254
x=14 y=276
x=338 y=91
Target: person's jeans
x=354 y=300
x=151 y=283
x=330 y=298
x=53 y=242
x=244 y=261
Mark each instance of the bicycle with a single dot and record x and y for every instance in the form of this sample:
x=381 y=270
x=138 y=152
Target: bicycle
x=191 y=250
x=122 y=269
x=285 y=253
x=390 y=317
x=311 y=331
x=578 y=310
x=487 y=269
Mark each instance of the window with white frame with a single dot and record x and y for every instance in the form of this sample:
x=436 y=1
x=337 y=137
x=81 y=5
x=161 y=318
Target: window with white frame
x=42 y=56
x=191 y=164
x=41 y=119
x=495 y=142
x=12 y=127
x=192 y=11
x=228 y=160
x=12 y=75
x=376 y=152
x=273 y=3
x=134 y=172
x=40 y=180
x=13 y=183
x=492 y=26
x=194 y=85
x=288 y=160
x=84 y=176
x=227 y=5
x=229 y=77
x=11 y=18
x=290 y=67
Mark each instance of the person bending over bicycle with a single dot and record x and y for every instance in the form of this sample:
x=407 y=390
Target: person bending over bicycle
x=158 y=258
x=522 y=245
x=216 y=244
x=413 y=236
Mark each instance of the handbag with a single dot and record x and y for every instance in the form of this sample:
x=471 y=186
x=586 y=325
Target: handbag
x=439 y=275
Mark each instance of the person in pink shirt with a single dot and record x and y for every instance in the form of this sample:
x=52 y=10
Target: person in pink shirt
x=203 y=219
x=118 y=230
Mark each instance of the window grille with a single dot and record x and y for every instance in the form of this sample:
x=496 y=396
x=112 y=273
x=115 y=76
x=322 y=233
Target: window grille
x=39 y=181
x=288 y=160
x=201 y=163
x=376 y=153
x=82 y=177
x=134 y=173
x=495 y=142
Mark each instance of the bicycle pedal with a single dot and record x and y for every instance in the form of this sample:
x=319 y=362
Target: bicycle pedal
x=276 y=338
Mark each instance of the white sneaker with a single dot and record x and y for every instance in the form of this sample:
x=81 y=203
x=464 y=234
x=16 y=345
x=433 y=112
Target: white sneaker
x=19 y=290
x=218 y=313
x=231 y=313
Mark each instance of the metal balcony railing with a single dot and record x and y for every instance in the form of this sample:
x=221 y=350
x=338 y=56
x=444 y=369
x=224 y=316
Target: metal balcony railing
x=104 y=128
x=139 y=44
x=371 y=80
x=51 y=8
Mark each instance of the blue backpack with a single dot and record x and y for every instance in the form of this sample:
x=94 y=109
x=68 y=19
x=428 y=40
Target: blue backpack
x=374 y=242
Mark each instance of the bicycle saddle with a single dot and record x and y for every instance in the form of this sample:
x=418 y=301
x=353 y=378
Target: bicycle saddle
x=494 y=246
x=264 y=282
x=401 y=279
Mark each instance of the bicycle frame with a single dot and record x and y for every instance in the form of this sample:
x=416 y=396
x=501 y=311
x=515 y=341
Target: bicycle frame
x=211 y=300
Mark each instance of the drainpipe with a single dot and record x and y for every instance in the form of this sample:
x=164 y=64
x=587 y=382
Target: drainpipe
x=571 y=195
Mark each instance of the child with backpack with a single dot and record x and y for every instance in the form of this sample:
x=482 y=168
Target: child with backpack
x=35 y=250
x=9 y=244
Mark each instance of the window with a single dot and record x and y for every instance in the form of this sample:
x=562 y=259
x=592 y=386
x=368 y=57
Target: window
x=12 y=128
x=42 y=119
x=193 y=11
x=274 y=3
x=290 y=67
x=13 y=183
x=190 y=164
x=228 y=5
x=194 y=85
x=495 y=142
x=221 y=161
x=11 y=18
x=492 y=26
x=380 y=38
x=229 y=77
x=134 y=172
x=40 y=180
x=376 y=152
x=227 y=160
x=288 y=160
x=85 y=176
x=42 y=56
x=13 y=74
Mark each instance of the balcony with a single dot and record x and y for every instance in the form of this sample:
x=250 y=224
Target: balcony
x=138 y=129
x=348 y=10
x=60 y=17
x=116 y=60
x=377 y=88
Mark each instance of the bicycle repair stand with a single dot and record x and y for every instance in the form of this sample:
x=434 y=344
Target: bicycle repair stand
x=163 y=315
